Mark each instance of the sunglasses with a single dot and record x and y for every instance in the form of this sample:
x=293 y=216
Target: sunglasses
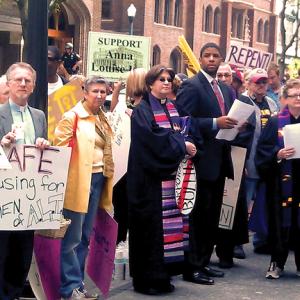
x=261 y=82
x=163 y=79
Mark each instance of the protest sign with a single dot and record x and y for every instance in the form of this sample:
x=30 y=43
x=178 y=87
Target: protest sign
x=120 y=124
x=186 y=186
x=61 y=101
x=102 y=251
x=243 y=56
x=231 y=189
x=114 y=55
x=4 y=163
x=32 y=192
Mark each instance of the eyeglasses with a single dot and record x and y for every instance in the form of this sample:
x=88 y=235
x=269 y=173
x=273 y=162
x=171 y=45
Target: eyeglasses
x=163 y=79
x=294 y=96
x=261 y=82
x=20 y=81
x=226 y=75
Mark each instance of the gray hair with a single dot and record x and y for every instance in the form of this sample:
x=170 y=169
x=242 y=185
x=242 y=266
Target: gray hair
x=95 y=80
x=21 y=65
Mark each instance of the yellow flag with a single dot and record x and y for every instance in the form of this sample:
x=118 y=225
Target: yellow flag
x=193 y=66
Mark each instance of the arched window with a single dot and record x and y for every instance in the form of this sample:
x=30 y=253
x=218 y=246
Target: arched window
x=217 y=20
x=208 y=19
x=240 y=26
x=177 y=13
x=156 y=11
x=58 y=21
x=175 y=61
x=260 y=31
x=266 y=32
x=167 y=12
x=156 y=55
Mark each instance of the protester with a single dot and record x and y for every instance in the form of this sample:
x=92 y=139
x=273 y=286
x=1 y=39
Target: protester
x=208 y=102
x=274 y=84
x=224 y=74
x=282 y=174
x=89 y=180
x=55 y=81
x=71 y=60
x=157 y=147
x=264 y=108
x=16 y=247
x=4 y=90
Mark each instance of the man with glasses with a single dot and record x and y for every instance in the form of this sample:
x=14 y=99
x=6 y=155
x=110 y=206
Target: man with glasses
x=264 y=108
x=277 y=165
x=16 y=247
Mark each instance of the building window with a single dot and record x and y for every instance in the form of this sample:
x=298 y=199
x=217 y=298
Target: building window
x=217 y=20
x=240 y=26
x=156 y=55
x=203 y=18
x=167 y=12
x=266 y=32
x=156 y=11
x=208 y=19
x=175 y=61
x=106 y=9
x=260 y=31
x=177 y=15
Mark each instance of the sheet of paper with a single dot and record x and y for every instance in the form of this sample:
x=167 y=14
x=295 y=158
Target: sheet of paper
x=291 y=138
x=239 y=111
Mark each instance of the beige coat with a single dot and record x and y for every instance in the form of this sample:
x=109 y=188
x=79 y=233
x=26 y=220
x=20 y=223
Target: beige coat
x=80 y=168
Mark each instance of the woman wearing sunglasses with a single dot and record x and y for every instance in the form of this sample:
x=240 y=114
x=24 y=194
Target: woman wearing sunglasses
x=156 y=227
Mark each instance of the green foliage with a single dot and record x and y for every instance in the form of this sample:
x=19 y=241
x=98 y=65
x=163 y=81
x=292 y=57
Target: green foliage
x=55 y=5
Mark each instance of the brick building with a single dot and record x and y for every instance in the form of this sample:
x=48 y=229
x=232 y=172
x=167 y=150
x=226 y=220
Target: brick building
x=250 y=23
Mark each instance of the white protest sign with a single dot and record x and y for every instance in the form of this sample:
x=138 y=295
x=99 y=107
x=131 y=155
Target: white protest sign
x=33 y=191
x=4 y=163
x=186 y=186
x=120 y=124
x=231 y=189
x=243 y=56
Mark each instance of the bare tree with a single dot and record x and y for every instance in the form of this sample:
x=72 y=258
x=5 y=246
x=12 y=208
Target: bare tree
x=294 y=37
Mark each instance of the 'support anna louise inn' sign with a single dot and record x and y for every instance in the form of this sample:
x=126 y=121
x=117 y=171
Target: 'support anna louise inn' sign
x=114 y=55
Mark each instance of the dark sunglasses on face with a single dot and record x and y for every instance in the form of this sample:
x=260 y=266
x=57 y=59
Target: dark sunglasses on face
x=163 y=79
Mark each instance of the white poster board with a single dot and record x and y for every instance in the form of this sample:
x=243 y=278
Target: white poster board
x=120 y=124
x=243 y=56
x=33 y=191
x=231 y=189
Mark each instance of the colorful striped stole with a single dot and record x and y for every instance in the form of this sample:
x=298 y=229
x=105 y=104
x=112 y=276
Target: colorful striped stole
x=175 y=225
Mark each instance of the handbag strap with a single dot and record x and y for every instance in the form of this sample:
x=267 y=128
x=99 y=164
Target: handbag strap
x=72 y=141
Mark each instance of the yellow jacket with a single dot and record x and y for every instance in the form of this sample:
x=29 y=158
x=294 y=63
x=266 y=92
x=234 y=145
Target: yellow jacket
x=80 y=168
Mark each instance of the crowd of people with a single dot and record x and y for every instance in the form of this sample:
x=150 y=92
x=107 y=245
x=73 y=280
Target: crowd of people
x=173 y=118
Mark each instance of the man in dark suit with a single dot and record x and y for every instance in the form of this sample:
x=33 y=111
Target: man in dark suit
x=208 y=102
x=16 y=247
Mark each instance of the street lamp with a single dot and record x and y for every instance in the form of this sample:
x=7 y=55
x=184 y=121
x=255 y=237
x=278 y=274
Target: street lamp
x=131 y=11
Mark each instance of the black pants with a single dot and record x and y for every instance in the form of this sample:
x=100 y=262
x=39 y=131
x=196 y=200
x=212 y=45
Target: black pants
x=204 y=221
x=16 y=249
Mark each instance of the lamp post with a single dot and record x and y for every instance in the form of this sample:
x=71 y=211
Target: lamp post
x=131 y=11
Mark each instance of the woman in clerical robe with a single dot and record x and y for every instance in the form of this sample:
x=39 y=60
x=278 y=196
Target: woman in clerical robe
x=157 y=230
x=281 y=171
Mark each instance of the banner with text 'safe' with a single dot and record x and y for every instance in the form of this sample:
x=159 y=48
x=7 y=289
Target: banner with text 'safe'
x=114 y=55
x=33 y=191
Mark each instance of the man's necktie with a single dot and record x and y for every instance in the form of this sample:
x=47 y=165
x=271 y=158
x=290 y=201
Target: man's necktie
x=219 y=96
